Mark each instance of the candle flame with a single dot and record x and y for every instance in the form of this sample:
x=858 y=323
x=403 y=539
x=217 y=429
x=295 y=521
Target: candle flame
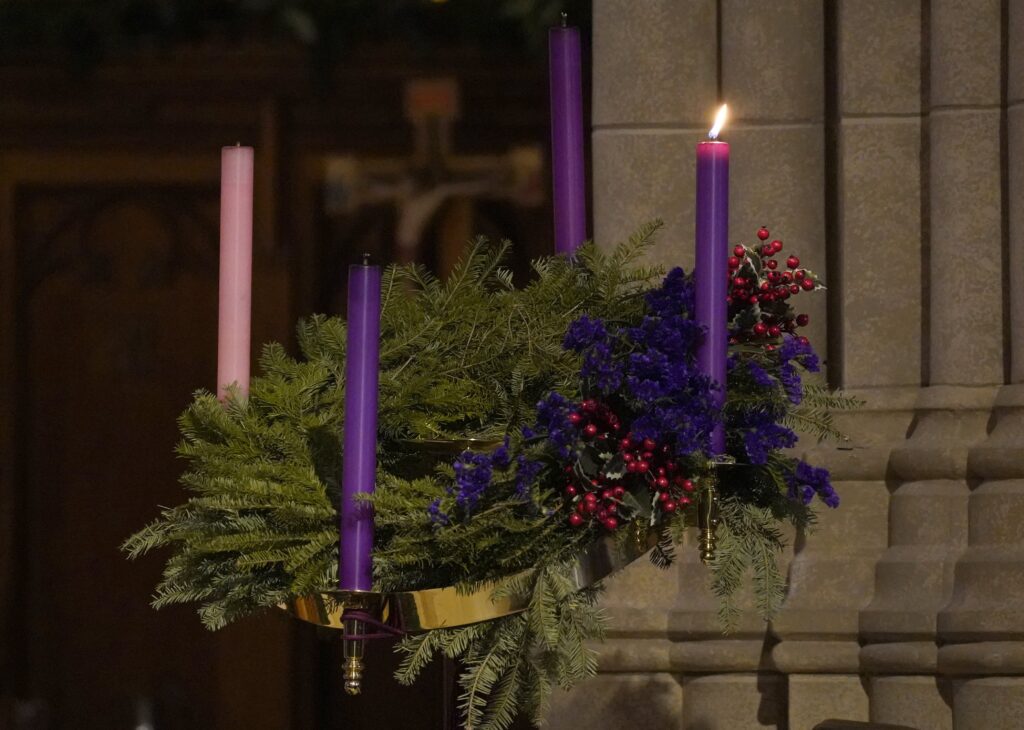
x=719 y=121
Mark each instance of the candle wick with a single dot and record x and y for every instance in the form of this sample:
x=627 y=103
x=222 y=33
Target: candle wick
x=565 y=19
x=238 y=144
x=366 y=259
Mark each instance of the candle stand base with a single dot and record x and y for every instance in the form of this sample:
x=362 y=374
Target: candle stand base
x=448 y=607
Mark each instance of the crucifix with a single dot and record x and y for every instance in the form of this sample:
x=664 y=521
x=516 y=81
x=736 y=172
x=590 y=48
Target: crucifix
x=434 y=180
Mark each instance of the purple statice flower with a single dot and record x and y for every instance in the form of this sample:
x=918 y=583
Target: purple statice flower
x=553 y=419
x=675 y=296
x=589 y=336
x=601 y=368
x=661 y=380
x=791 y=383
x=676 y=335
x=686 y=426
x=805 y=481
x=793 y=348
x=436 y=515
x=473 y=474
x=526 y=473
x=759 y=375
x=500 y=458
x=649 y=375
x=583 y=333
x=764 y=438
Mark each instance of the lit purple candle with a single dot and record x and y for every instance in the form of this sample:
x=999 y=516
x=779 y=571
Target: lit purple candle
x=362 y=361
x=568 y=183
x=712 y=259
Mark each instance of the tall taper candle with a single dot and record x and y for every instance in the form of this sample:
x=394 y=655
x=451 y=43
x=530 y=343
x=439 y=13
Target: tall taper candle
x=569 y=184
x=362 y=360
x=712 y=263
x=233 y=327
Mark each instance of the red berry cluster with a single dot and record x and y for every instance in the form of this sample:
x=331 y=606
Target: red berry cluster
x=653 y=463
x=599 y=497
x=758 y=292
x=595 y=420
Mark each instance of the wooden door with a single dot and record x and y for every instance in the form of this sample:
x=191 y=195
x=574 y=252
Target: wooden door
x=109 y=313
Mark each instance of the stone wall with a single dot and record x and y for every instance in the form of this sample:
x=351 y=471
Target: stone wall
x=883 y=140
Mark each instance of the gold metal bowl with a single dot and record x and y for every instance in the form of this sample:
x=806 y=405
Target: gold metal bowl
x=436 y=608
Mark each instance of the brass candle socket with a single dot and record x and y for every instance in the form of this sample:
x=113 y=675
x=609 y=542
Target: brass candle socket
x=707 y=516
x=352 y=653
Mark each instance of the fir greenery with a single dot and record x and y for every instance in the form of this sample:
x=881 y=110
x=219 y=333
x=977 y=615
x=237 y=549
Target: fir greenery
x=471 y=357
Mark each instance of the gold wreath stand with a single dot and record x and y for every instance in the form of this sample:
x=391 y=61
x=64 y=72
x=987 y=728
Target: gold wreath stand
x=439 y=608
x=448 y=607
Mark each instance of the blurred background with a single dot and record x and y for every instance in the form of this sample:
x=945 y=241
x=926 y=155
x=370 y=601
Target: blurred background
x=396 y=127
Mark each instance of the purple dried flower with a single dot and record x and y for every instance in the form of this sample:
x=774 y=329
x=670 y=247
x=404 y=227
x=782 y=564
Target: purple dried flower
x=791 y=383
x=436 y=515
x=526 y=473
x=762 y=439
x=583 y=333
x=805 y=481
x=473 y=474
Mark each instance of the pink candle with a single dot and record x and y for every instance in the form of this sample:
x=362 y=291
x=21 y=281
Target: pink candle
x=233 y=332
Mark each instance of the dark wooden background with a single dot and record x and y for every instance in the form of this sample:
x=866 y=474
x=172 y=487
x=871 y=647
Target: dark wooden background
x=108 y=276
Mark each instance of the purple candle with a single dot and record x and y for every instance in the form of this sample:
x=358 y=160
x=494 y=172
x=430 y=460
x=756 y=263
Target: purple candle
x=568 y=184
x=362 y=361
x=712 y=259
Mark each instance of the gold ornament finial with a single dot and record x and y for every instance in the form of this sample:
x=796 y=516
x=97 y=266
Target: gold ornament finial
x=353 y=675
x=707 y=517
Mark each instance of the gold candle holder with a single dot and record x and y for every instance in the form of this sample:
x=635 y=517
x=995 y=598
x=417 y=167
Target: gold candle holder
x=707 y=516
x=352 y=653
x=708 y=509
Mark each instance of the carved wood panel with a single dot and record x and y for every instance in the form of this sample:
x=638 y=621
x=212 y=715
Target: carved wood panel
x=115 y=298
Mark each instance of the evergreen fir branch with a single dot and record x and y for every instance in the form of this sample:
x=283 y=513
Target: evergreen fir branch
x=503 y=703
x=728 y=567
x=419 y=649
x=664 y=553
x=486 y=665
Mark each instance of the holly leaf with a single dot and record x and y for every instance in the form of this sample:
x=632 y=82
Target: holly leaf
x=590 y=460
x=614 y=466
x=637 y=507
x=747 y=318
x=752 y=267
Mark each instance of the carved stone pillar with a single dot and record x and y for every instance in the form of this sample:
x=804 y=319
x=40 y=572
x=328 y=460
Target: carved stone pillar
x=965 y=356
x=965 y=365
x=924 y=549
x=981 y=627
x=654 y=92
x=877 y=194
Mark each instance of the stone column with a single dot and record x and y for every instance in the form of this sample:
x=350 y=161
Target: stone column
x=772 y=60
x=1015 y=169
x=964 y=362
x=983 y=624
x=654 y=94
